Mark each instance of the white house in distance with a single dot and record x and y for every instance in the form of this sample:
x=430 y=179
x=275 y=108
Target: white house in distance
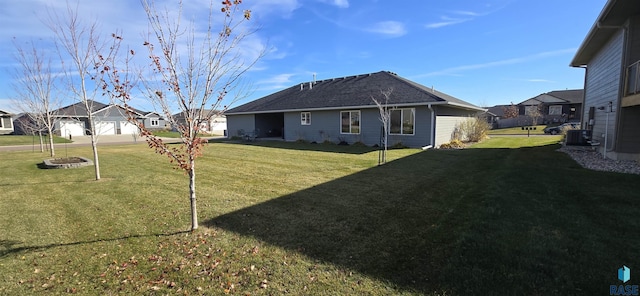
x=6 y=123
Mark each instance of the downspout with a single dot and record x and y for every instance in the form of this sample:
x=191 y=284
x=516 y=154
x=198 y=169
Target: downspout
x=433 y=129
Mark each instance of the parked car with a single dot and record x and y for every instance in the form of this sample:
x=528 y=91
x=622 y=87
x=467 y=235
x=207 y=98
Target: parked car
x=554 y=130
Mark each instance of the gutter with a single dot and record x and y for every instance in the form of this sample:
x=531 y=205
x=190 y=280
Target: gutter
x=433 y=129
x=357 y=107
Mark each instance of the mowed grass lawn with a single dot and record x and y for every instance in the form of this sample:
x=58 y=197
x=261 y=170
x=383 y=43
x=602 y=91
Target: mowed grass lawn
x=16 y=140
x=539 y=130
x=288 y=218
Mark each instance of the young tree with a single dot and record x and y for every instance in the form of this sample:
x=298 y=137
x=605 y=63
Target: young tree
x=510 y=111
x=385 y=117
x=81 y=46
x=534 y=113
x=192 y=72
x=34 y=85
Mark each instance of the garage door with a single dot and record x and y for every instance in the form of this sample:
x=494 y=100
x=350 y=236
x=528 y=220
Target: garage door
x=128 y=128
x=105 y=128
x=73 y=128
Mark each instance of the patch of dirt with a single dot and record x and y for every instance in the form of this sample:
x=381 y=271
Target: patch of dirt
x=67 y=160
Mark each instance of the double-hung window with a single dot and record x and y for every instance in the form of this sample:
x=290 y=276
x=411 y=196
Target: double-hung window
x=555 y=110
x=402 y=121
x=305 y=118
x=155 y=122
x=350 y=122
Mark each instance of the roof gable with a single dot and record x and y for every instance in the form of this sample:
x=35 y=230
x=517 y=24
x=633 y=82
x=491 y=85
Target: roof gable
x=79 y=110
x=351 y=91
x=573 y=96
x=5 y=113
x=614 y=14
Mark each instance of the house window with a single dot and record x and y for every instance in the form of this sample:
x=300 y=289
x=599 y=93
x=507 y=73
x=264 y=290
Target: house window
x=555 y=110
x=633 y=79
x=305 y=118
x=350 y=122
x=531 y=110
x=1 y=122
x=402 y=121
x=155 y=122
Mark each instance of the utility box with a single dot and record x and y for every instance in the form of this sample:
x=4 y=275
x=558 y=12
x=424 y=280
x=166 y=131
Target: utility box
x=578 y=138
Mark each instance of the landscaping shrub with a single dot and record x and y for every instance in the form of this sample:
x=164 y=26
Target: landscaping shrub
x=454 y=144
x=565 y=129
x=398 y=145
x=473 y=129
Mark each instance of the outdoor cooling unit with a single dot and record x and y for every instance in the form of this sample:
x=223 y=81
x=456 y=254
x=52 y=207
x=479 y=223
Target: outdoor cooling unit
x=578 y=138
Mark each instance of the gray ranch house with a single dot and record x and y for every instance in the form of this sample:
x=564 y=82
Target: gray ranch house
x=610 y=55
x=556 y=106
x=6 y=123
x=109 y=119
x=342 y=109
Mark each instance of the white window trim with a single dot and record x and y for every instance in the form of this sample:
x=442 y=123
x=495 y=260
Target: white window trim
x=413 y=110
x=305 y=118
x=556 y=107
x=157 y=120
x=351 y=126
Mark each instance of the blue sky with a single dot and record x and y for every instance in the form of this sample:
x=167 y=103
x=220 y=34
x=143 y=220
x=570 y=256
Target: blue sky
x=486 y=52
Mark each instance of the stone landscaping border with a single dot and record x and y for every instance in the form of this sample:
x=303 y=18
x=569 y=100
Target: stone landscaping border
x=50 y=164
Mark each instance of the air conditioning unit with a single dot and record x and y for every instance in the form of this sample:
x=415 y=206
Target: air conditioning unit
x=578 y=138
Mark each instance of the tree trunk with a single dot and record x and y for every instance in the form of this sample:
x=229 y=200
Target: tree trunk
x=41 y=144
x=53 y=151
x=192 y=193
x=96 y=162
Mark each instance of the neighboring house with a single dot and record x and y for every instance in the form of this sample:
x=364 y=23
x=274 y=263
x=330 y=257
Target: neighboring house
x=25 y=124
x=217 y=124
x=151 y=120
x=342 y=109
x=6 y=123
x=494 y=114
x=557 y=106
x=111 y=119
x=610 y=54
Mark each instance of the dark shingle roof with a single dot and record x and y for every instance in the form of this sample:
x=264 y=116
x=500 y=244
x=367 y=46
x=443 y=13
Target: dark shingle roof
x=79 y=110
x=573 y=96
x=497 y=110
x=351 y=91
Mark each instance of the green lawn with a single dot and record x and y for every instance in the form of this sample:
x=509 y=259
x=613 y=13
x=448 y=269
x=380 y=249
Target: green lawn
x=308 y=219
x=518 y=131
x=519 y=142
x=15 y=140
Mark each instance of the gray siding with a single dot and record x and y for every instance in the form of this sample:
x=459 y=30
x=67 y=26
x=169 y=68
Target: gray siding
x=238 y=122
x=326 y=125
x=602 y=85
x=147 y=123
x=446 y=121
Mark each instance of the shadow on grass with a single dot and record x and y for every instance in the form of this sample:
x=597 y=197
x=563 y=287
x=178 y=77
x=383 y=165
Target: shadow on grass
x=442 y=222
x=8 y=247
x=396 y=222
x=321 y=147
